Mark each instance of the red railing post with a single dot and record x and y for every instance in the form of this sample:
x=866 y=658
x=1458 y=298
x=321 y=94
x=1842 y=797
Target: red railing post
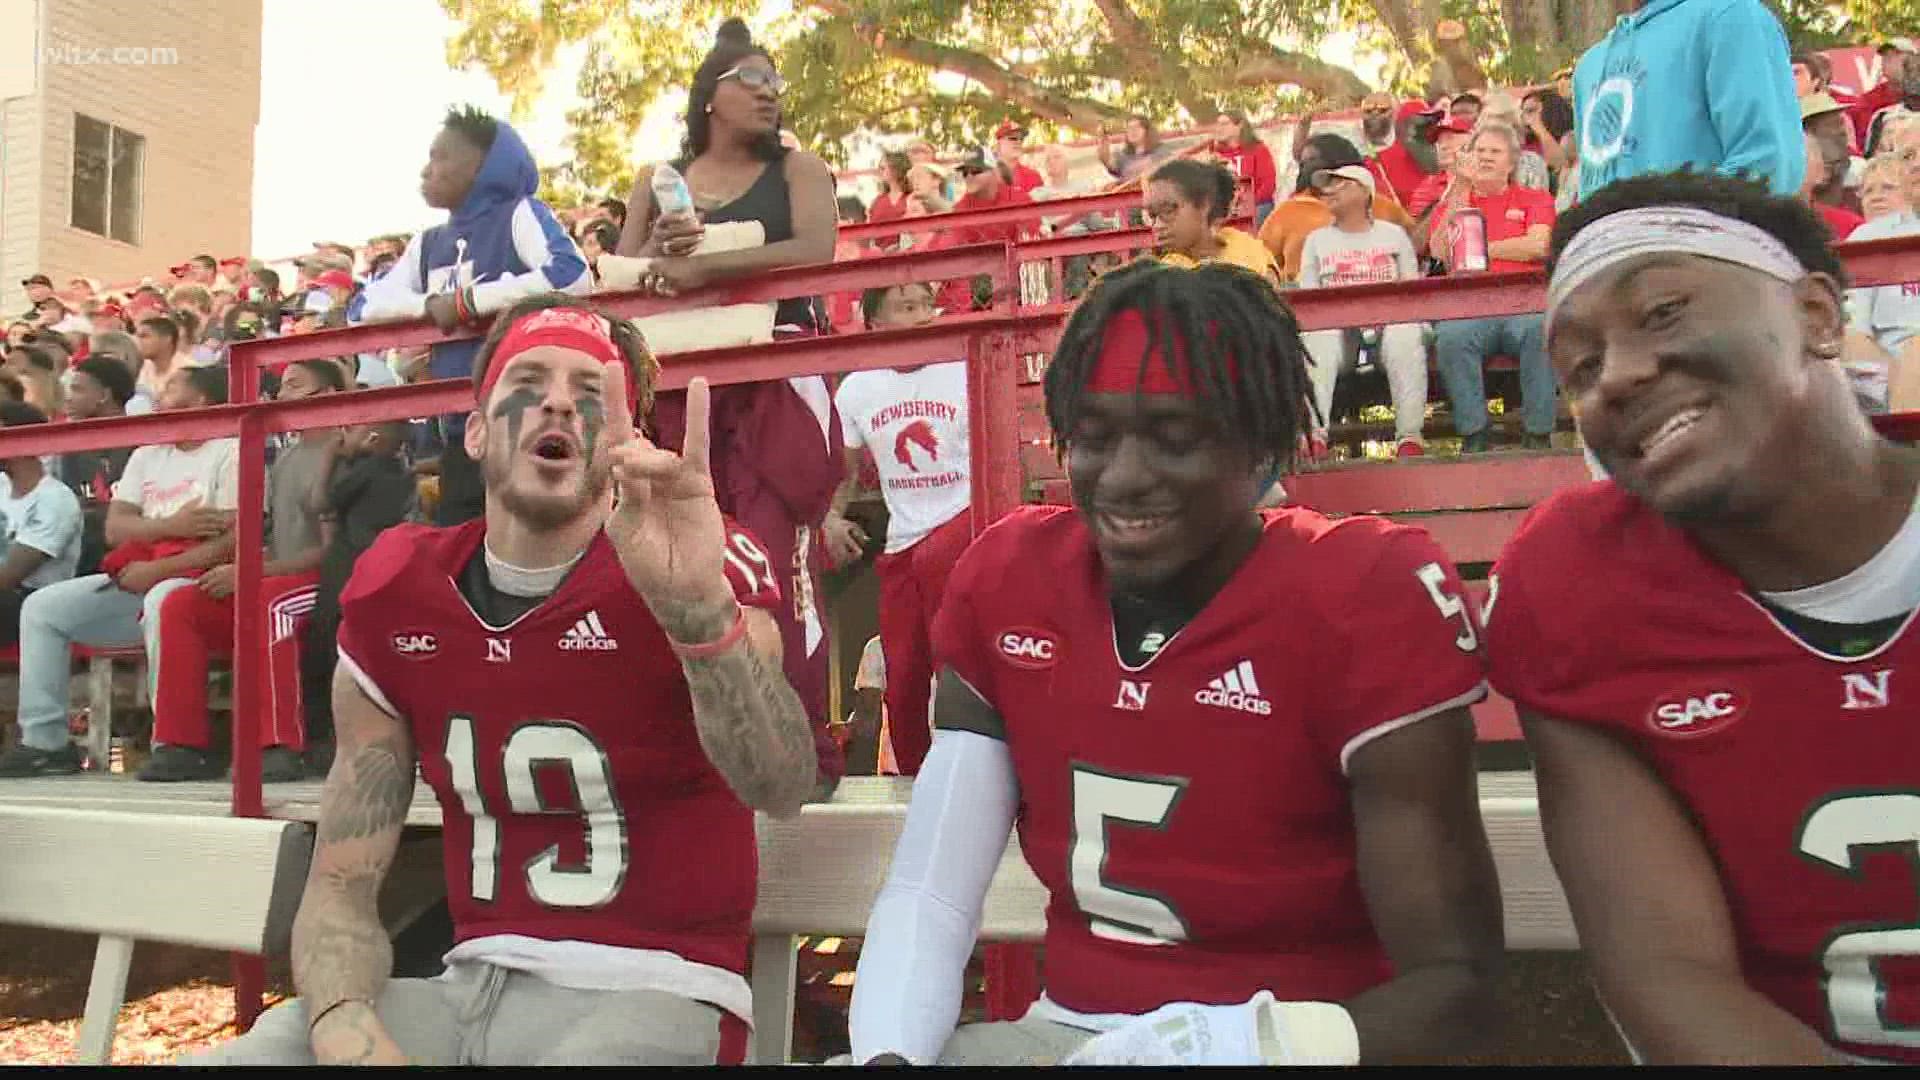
x=249 y=972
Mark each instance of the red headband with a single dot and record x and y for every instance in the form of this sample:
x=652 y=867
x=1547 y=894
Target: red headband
x=566 y=328
x=1126 y=341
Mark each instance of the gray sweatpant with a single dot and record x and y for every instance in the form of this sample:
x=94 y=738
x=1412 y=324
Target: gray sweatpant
x=478 y=1014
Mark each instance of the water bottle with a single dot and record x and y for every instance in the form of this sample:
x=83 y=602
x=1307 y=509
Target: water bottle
x=670 y=192
x=1469 y=249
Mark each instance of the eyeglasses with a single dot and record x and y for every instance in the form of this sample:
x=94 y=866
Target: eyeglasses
x=756 y=78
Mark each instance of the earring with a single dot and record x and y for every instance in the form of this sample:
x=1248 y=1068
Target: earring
x=1827 y=350
x=709 y=107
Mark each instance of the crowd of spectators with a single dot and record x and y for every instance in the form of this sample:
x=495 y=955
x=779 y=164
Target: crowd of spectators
x=144 y=550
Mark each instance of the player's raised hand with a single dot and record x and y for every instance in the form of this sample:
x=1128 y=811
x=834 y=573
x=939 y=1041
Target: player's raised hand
x=666 y=526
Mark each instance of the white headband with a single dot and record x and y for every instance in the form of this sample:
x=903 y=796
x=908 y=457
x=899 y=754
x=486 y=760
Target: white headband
x=1685 y=230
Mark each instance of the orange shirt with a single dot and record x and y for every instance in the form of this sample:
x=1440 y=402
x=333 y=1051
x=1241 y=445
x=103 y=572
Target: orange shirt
x=1286 y=229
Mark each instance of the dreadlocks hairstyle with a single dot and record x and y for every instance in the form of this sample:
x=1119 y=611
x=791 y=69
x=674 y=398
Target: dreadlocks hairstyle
x=1227 y=319
x=732 y=43
x=473 y=125
x=626 y=337
x=1789 y=221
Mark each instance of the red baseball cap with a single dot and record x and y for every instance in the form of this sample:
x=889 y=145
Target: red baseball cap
x=112 y=310
x=1416 y=107
x=1010 y=129
x=180 y=269
x=334 y=279
x=1454 y=126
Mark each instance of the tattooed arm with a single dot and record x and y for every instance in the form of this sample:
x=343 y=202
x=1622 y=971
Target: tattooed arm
x=341 y=955
x=751 y=723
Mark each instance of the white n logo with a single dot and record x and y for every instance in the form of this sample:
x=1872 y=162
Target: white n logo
x=1866 y=691
x=1133 y=696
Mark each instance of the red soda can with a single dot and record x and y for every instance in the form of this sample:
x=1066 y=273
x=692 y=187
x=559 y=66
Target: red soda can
x=1469 y=249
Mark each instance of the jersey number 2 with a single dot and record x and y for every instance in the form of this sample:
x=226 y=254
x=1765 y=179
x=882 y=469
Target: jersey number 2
x=1856 y=999
x=596 y=880
x=1113 y=911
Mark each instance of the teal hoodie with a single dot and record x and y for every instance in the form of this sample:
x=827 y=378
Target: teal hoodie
x=1701 y=83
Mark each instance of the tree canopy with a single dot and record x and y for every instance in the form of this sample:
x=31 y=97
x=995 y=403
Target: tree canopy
x=951 y=70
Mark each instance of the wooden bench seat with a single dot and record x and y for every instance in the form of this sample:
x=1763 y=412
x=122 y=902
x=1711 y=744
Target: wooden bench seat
x=231 y=884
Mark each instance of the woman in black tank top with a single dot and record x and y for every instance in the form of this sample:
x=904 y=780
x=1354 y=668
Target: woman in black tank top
x=738 y=171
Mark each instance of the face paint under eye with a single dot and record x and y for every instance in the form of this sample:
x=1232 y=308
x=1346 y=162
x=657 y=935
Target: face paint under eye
x=593 y=417
x=513 y=409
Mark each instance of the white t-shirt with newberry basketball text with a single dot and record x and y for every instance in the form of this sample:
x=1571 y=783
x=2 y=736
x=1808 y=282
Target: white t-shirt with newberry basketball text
x=915 y=425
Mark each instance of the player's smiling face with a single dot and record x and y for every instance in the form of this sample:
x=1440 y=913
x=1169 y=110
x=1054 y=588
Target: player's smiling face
x=1693 y=378
x=1159 y=484
x=538 y=435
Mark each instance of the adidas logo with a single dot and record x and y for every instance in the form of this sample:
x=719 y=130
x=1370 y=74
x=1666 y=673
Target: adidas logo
x=1236 y=690
x=588 y=635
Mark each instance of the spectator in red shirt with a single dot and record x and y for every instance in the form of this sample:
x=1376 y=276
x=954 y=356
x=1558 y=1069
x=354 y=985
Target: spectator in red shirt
x=1412 y=157
x=1518 y=223
x=891 y=203
x=1448 y=138
x=1240 y=149
x=1009 y=145
x=1886 y=94
x=986 y=188
x=1840 y=220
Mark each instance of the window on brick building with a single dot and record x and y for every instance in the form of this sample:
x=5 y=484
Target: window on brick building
x=107 y=165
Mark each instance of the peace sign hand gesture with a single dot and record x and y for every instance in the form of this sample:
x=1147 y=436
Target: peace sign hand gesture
x=667 y=528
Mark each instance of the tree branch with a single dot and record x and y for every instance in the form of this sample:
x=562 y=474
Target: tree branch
x=1532 y=22
x=1451 y=49
x=1130 y=33
x=1263 y=65
x=1079 y=113
x=1405 y=22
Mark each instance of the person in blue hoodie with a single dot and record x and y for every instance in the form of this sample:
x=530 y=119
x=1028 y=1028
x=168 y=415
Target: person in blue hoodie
x=1700 y=83
x=500 y=244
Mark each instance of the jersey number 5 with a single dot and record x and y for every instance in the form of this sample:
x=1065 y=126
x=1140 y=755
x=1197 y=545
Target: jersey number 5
x=1832 y=834
x=1434 y=577
x=597 y=878
x=1113 y=911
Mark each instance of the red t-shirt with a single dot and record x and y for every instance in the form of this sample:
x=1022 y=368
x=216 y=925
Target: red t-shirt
x=1026 y=178
x=1400 y=171
x=1251 y=163
x=987 y=234
x=1190 y=816
x=1798 y=768
x=1840 y=220
x=1509 y=214
x=561 y=748
x=887 y=207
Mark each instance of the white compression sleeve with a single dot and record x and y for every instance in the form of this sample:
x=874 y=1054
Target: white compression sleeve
x=906 y=991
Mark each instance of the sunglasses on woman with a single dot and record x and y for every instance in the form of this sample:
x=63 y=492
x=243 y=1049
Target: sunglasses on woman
x=756 y=78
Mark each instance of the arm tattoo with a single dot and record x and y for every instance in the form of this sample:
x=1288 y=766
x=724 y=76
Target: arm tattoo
x=750 y=722
x=340 y=946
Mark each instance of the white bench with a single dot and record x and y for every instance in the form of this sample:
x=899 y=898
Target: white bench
x=231 y=884
x=820 y=874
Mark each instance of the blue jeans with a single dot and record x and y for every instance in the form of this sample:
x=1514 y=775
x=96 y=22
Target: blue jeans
x=1462 y=347
x=89 y=610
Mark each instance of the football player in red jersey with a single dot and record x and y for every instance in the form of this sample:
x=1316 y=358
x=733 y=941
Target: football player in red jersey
x=1706 y=649
x=593 y=689
x=1235 y=743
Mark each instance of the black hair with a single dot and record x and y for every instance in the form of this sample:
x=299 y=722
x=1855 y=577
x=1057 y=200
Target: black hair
x=269 y=279
x=19 y=414
x=606 y=233
x=1248 y=136
x=1147 y=125
x=474 y=125
x=732 y=43
x=12 y=387
x=165 y=326
x=626 y=337
x=1332 y=152
x=329 y=372
x=1556 y=112
x=210 y=382
x=1468 y=96
x=1788 y=220
x=871 y=300
x=851 y=208
x=1204 y=183
x=112 y=376
x=38 y=356
x=205 y=262
x=1241 y=342
x=617 y=209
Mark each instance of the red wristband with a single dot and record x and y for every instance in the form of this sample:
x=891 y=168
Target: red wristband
x=711 y=649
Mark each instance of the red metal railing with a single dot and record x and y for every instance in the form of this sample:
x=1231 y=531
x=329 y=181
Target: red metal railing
x=990 y=342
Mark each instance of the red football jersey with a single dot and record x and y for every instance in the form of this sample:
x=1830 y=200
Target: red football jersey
x=578 y=803
x=1190 y=817
x=1800 y=769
